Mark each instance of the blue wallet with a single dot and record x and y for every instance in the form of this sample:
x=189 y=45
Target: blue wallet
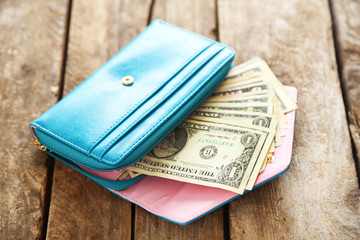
x=124 y=109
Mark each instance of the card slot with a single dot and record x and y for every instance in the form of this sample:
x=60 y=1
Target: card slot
x=141 y=139
x=156 y=101
x=138 y=90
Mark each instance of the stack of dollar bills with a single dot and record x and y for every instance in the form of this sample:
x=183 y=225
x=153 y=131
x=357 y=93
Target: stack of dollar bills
x=228 y=140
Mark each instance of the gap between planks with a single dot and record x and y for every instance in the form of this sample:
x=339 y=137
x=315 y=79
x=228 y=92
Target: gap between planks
x=340 y=66
x=50 y=162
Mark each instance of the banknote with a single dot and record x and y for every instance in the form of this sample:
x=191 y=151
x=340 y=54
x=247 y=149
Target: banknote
x=237 y=94
x=253 y=87
x=270 y=159
x=238 y=82
x=133 y=174
x=242 y=78
x=123 y=175
x=265 y=97
x=253 y=80
x=209 y=154
x=263 y=166
x=258 y=65
x=249 y=107
x=259 y=85
x=252 y=118
x=266 y=146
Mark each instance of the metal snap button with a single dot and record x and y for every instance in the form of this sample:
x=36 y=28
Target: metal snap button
x=127 y=80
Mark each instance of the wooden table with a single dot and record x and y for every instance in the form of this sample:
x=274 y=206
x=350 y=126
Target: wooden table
x=48 y=47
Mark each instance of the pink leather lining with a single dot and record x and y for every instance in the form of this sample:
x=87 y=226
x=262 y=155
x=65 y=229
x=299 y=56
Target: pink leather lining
x=112 y=175
x=182 y=202
x=32 y=130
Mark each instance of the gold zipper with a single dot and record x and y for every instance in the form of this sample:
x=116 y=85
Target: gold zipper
x=38 y=144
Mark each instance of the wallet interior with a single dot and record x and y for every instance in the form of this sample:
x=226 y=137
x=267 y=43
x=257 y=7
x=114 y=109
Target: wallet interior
x=183 y=203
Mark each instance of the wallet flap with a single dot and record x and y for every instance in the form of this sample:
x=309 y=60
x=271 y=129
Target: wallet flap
x=172 y=98
x=101 y=102
x=95 y=116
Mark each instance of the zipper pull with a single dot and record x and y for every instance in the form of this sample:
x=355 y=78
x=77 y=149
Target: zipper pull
x=38 y=144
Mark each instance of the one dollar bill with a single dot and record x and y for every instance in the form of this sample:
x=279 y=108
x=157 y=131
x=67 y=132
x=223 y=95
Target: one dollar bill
x=208 y=154
x=257 y=65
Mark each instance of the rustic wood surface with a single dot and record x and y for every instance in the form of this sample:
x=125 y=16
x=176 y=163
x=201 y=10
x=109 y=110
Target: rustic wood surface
x=31 y=48
x=97 y=31
x=347 y=28
x=318 y=198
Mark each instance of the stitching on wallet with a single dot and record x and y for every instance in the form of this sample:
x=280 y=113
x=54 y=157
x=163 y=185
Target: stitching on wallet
x=169 y=93
x=46 y=130
x=146 y=96
x=73 y=144
x=103 y=159
x=165 y=118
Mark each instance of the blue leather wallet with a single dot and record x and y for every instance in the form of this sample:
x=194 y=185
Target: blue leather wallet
x=124 y=109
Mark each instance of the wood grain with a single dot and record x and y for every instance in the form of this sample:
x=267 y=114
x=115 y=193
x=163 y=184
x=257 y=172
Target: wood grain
x=199 y=17
x=31 y=40
x=81 y=209
x=347 y=28
x=319 y=197
x=149 y=226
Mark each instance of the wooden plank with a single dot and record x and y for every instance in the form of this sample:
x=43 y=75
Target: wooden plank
x=319 y=197
x=149 y=226
x=199 y=17
x=79 y=207
x=31 y=40
x=347 y=28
